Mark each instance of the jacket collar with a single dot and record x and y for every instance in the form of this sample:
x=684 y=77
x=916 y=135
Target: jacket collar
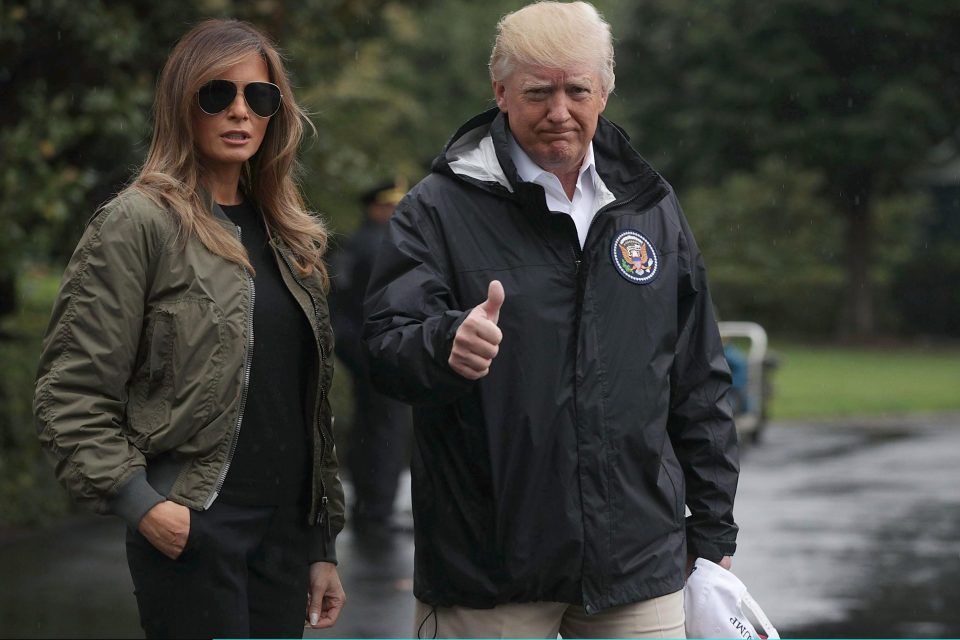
x=207 y=199
x=479 y=151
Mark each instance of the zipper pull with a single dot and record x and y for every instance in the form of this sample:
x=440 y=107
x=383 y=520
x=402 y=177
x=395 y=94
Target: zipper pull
x=323 y=511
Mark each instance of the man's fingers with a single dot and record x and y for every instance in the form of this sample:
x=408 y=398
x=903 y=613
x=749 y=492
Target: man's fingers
x=489 y=333
x=470 y=366
x=472 y=355
x=495 y=298
x=484 y=342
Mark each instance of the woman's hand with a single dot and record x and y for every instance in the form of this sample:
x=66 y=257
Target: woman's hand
x=326 y=596
x=167 y=526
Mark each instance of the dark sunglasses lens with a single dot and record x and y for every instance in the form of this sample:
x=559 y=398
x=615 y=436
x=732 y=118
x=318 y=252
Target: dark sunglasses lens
x=263 y=98
x=216 y=95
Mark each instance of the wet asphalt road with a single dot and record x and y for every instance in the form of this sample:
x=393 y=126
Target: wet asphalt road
x=847 y=530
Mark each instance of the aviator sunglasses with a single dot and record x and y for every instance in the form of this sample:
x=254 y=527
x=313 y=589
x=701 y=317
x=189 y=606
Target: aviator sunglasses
x=263 y=98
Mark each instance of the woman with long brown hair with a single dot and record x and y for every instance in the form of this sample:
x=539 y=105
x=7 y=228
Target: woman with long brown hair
x=184 y=376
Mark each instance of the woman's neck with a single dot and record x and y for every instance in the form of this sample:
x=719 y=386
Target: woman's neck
x=224 y=186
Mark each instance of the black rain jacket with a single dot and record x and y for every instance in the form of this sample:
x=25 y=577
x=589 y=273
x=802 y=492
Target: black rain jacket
x=563 y=474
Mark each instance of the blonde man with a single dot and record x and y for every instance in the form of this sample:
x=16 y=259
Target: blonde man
x=542 y=303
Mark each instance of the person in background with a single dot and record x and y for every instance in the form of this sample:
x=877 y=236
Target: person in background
x=541 y=301
x=739 y=370
x=379 y=441
x=184 y=374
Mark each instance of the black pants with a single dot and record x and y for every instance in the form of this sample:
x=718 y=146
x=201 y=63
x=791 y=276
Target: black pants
x=379 y=445
x=243 y=573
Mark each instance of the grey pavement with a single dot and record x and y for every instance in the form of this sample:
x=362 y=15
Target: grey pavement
x=848 y=529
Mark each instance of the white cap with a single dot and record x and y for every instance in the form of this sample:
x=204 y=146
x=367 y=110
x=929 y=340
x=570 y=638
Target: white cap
x=716 y=605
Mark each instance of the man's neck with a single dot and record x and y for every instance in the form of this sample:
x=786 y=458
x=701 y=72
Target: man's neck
x=568 y=179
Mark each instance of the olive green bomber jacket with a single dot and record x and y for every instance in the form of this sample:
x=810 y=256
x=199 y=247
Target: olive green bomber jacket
x=143 y=372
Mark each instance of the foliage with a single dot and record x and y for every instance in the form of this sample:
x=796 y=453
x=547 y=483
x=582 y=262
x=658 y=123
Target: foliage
x=859 y=92
x=28 y=491
x=772 y=243
x=76 y=82
x=925 y=298
x=772 y=226
x=398 y=98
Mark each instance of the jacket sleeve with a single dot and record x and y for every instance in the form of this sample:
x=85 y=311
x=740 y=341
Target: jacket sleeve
x=87 y=357
x=323 y=546
x=701 y=426
x=411 y=311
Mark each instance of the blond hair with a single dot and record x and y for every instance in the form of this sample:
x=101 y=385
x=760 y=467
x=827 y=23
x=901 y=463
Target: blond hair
x=172 y=173
x=556 y=35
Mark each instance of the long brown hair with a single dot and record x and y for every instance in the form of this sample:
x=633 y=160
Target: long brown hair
x=172 y=173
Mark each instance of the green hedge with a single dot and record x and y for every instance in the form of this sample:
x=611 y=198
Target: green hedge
x=29 y=494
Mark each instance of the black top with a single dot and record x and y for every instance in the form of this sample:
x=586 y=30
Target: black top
x=271 y=464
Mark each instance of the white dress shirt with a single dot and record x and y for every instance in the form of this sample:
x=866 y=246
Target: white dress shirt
x=585 y=202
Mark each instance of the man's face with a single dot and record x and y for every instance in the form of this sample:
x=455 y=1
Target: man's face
x=380 y=212
x=553 y=113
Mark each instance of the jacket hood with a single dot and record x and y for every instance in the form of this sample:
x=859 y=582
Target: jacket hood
x=479 y=152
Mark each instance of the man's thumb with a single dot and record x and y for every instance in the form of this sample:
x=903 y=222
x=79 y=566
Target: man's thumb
x=495 y=297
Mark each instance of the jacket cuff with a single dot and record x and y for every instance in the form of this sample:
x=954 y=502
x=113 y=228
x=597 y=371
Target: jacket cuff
x=323 y=545
x=134 y=499
x=712 y=550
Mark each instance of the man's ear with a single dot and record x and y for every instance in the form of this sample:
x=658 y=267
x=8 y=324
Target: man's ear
x=499 y=91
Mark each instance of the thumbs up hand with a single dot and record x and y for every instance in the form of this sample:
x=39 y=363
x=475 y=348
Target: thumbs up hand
x=478 y=339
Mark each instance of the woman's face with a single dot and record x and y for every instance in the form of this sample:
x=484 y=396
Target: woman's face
x=228 y=139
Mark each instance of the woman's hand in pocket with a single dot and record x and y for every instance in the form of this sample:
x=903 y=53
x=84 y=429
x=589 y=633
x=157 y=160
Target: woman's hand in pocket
x=167 y=526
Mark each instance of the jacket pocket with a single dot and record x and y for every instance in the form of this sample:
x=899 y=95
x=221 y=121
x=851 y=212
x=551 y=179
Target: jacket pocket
x=178 y=374
x=670 y=481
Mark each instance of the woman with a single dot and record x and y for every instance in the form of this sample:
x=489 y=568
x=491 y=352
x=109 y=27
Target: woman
x=184 y=375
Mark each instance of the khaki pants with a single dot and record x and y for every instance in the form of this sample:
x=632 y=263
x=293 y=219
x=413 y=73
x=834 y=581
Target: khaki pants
x=656 y=618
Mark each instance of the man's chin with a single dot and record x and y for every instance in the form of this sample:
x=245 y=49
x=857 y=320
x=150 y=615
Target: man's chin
x=559 y=159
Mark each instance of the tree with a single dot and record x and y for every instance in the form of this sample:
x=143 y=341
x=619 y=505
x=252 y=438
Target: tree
x=860 y=92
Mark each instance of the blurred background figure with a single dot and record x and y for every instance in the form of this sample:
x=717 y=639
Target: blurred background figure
x=737 y=360
x=377 y=450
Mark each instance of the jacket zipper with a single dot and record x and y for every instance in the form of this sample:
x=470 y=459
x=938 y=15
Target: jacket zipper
x=321 y=514
x=248 y=362
x=580 y=274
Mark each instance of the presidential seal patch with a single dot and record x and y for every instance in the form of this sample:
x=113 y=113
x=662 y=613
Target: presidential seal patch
x=635 y=257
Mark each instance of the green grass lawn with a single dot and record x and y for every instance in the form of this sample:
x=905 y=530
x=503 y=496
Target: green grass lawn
x=830 y=381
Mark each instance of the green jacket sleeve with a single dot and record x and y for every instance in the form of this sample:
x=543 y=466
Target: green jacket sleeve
x=88 y=354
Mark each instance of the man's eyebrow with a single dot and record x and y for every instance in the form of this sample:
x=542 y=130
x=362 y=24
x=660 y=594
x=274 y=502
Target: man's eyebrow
x=533 y=84
x=527 y=85
x=585 y=80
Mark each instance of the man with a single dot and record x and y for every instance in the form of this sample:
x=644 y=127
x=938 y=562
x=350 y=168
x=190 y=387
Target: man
x=541 y=301
x=380 y=435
